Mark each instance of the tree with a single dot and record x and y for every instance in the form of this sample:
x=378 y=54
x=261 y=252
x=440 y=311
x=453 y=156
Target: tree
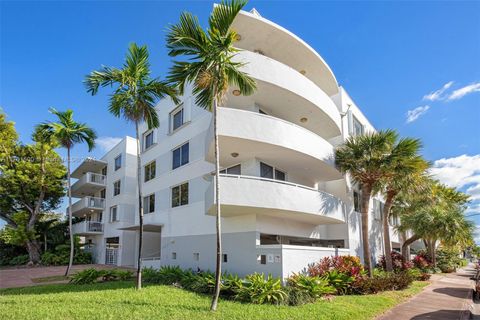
x=67 y=133
x=31 y=182
x=365 y=158
x=134 y=99
x=211 y=70
x=403 y=168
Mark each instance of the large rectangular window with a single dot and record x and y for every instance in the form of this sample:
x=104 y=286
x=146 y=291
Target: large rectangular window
x=147 y=140
x=113 y=214
x=357 y=201
x=180 y=156
x=357 y=127
x=377 y=209
x=267 y=171
x=149 y=171
x=177 y=118
x=116 y=188
x=149 y=203
x=237 y=170
x=180 y=195
x=118 y=162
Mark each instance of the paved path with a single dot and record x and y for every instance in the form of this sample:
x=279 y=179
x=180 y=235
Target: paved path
x=22 y=277
x=449 y=297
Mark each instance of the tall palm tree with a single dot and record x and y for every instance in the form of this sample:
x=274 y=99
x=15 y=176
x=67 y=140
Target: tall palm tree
x=403 y=169
x=211 y=70
x=364 y=158
x=67 y=133
x=134 y=99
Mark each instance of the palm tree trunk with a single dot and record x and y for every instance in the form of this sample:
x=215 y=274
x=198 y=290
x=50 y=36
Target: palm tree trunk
x=140 y=211
x=45 y=241
x=366 y=194
x=70 y=228
x=218 y=265
x=406 y=244
x=33 y=249
x=386 y=232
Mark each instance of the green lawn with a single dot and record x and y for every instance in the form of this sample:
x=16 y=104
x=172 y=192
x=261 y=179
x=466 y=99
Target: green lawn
x=119 y=300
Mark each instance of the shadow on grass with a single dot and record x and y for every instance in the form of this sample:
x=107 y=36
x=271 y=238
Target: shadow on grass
x=67 y=287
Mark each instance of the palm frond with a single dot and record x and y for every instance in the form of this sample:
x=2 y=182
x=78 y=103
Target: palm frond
x=223 y=15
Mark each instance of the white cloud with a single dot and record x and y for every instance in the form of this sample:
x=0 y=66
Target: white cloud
x=462 y=172
x=460 y=93
x=416 y=113
x=437 y=95
x=107 y=143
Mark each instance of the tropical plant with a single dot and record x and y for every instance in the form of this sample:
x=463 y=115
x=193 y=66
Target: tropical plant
x=315 y=286
x=67 y=133
x=365 y=159
x=87 y=276
x=259 y=290
x=403 y=170
x=348 y=265
x=31 y=183
x=210 y=68
x=134 y=99
x=399 y=262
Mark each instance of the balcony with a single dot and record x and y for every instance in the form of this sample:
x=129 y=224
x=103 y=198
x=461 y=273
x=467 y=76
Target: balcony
x=242 y=195
x=288 y=146
x=87 y=205
x=89 y=183
x=286 y=93
x=88 y=165
x=86 y=228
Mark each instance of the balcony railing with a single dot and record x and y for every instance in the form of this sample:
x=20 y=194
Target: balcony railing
x=96 y=178
x=86 y=204
x=86 y=227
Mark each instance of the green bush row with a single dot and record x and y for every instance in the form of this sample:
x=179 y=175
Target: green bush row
x=91 y=275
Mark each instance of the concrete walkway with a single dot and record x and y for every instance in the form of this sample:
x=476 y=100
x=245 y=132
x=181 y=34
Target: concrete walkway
x=449 y=297
x=22 y=277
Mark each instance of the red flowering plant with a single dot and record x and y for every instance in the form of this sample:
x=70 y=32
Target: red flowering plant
x=422 y=260
x=348 y=265
x=398 y=260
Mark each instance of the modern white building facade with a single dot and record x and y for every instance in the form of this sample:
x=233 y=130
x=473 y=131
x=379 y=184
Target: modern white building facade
x=283 y=202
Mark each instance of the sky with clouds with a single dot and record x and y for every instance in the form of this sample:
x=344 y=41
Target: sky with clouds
x=410 y=65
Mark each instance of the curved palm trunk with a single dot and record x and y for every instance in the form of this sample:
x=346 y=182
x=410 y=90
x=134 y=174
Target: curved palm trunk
x=70 y=261
x=218 y=265
x=366 y=194
x=406 y=244
x=140 y=211
x=387 y=244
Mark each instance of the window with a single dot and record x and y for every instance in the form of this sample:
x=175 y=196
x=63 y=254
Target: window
x=113 y=214
x=118 y=162
x=357 y=129
x=149 y=203
x=196 y=256
x=149 y=171
x=104 y=171
x=224 y=258
x=116 y=188
x=180 y=156
x=394 y=221
x=176 y=119
x=232 y=170
x=103 y=193
x=357 y=201
x=270 y=172
x=377 y=209
x=262 y=259
x=147 y=140
x=174 y=256
x=99 y=217
x=180 y=195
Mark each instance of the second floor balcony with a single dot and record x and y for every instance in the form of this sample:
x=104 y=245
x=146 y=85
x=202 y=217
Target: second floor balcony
x=89 y=183
x=87 y=205
x=87 y=228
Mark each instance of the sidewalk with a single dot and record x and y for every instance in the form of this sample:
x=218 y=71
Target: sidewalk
x=449 y=297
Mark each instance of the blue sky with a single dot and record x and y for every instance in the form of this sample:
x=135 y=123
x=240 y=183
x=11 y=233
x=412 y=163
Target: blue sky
x=392 y=57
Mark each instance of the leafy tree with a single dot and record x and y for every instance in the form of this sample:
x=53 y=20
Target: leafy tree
x=211 y=70
x=31 y=182
x=67 y=133
x=403 y=169
x=134 y=99
x=365 y=159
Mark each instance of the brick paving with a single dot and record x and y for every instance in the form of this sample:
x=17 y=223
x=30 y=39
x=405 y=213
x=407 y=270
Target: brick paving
x=22 y=277
x=449 y=297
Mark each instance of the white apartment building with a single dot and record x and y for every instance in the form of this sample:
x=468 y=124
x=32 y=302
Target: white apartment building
x=284 y=204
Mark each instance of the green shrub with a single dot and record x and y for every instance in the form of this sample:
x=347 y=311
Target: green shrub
x=19 y=260
x=166 y=275
x=340 y=281
x=87 y=276
x=231 y=284
x=259 y=290
x=62 y=257
x=202 y=282
x=297 y=296
x=314 y=286
x=123 y=275
x=382 y=281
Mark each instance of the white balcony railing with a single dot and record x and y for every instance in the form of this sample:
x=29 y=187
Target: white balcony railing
x=96 y=178
x=87 y=204
x=86 y=227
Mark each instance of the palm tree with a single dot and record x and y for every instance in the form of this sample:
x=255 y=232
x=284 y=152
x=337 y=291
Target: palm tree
x=134 y=99
x=364 y=158
x=211 y=70
x=67 y=133
x=403 y=170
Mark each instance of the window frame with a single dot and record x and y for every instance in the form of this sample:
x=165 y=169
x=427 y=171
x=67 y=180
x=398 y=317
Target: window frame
x=355 y=123
x=119 y=181
x=115 y=162
x=145 y=135
x=274 y=172
x=173 y=113
x=225 y=170
x=110 y=218
x=181 y=156
x=148 y=166
x=180 y=197
x=147 y=203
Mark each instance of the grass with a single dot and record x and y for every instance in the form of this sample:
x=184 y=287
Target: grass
x=49 y=279
x=119 y=300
